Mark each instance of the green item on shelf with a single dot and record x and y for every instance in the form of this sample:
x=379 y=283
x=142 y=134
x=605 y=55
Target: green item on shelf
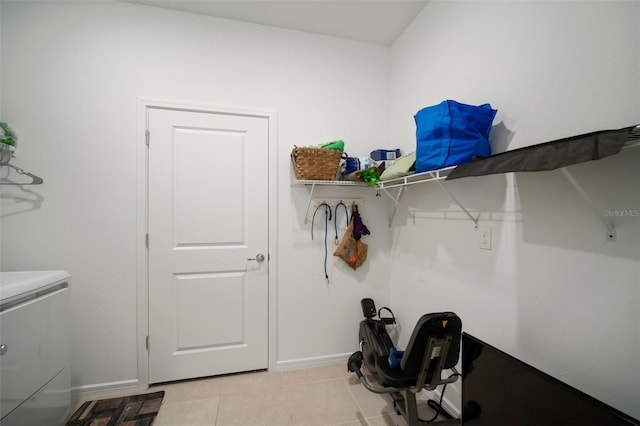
x=337 y=145
x=7 y=136
x=370 y=175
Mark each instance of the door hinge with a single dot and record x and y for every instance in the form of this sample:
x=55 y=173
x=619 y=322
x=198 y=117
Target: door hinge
x=146 y=240
x=147 y=136
x=147 y=342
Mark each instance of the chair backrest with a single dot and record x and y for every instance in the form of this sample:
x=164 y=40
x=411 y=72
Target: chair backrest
x=438 y=326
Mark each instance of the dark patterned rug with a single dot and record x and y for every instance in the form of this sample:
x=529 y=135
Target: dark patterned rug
x=134 y=410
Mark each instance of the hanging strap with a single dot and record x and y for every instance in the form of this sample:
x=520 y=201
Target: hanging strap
x=327 y=218
x=335 y=218
x=327 y=211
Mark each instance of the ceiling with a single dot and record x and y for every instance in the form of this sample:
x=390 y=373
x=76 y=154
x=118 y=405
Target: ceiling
x=373 y=21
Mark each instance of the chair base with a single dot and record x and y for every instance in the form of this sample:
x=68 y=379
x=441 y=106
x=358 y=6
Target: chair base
x=404 y=399
x=406 y=405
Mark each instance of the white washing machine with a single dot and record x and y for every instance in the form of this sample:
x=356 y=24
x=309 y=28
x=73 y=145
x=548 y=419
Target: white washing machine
x=34 y=348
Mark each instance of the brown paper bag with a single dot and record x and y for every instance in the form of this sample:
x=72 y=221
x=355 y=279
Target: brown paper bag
x=352 y=251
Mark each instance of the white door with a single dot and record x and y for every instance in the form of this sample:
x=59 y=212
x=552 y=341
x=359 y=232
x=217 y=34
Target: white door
x=208 y=217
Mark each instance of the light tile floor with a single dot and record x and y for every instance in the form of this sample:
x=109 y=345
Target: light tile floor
x=320 y=396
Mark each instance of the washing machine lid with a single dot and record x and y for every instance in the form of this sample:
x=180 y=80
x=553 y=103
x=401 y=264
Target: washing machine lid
x=18 y=284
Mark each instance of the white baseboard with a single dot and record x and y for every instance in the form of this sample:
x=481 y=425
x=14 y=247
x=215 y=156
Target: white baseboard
x=103 y=390
x=295 y=364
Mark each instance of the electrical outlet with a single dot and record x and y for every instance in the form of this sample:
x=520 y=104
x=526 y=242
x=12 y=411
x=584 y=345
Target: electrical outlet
x=485 y=237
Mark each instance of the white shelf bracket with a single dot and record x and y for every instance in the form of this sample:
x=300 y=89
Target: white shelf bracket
x=430 y=176
x=396 y=202
x=306 y=215
x=611 y=230
x=473 y=219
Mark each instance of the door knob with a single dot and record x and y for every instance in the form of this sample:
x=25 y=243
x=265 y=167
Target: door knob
x=259 y=258
x=3 y=349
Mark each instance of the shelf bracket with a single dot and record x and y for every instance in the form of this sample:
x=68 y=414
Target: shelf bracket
x=473 y=219
x=396 y=202
x=430 y=176
x=611 y=230
x=306 y=215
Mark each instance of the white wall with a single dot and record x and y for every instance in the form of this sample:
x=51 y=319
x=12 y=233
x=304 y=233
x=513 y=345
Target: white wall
x=72 y=73
x=553 y=292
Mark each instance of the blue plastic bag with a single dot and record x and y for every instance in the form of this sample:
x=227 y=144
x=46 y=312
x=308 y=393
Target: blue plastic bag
x=452 y=133
x=395 y=357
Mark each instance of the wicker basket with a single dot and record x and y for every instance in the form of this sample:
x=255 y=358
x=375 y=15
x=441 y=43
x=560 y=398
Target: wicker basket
x=315 y=163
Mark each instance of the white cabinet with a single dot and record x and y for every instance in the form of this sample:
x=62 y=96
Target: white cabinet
x=34 y=349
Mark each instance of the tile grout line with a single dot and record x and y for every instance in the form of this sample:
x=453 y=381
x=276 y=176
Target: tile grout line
x=360 y=410
x=218 y=409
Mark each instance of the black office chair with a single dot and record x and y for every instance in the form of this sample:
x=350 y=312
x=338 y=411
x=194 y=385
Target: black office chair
x=434 y=346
